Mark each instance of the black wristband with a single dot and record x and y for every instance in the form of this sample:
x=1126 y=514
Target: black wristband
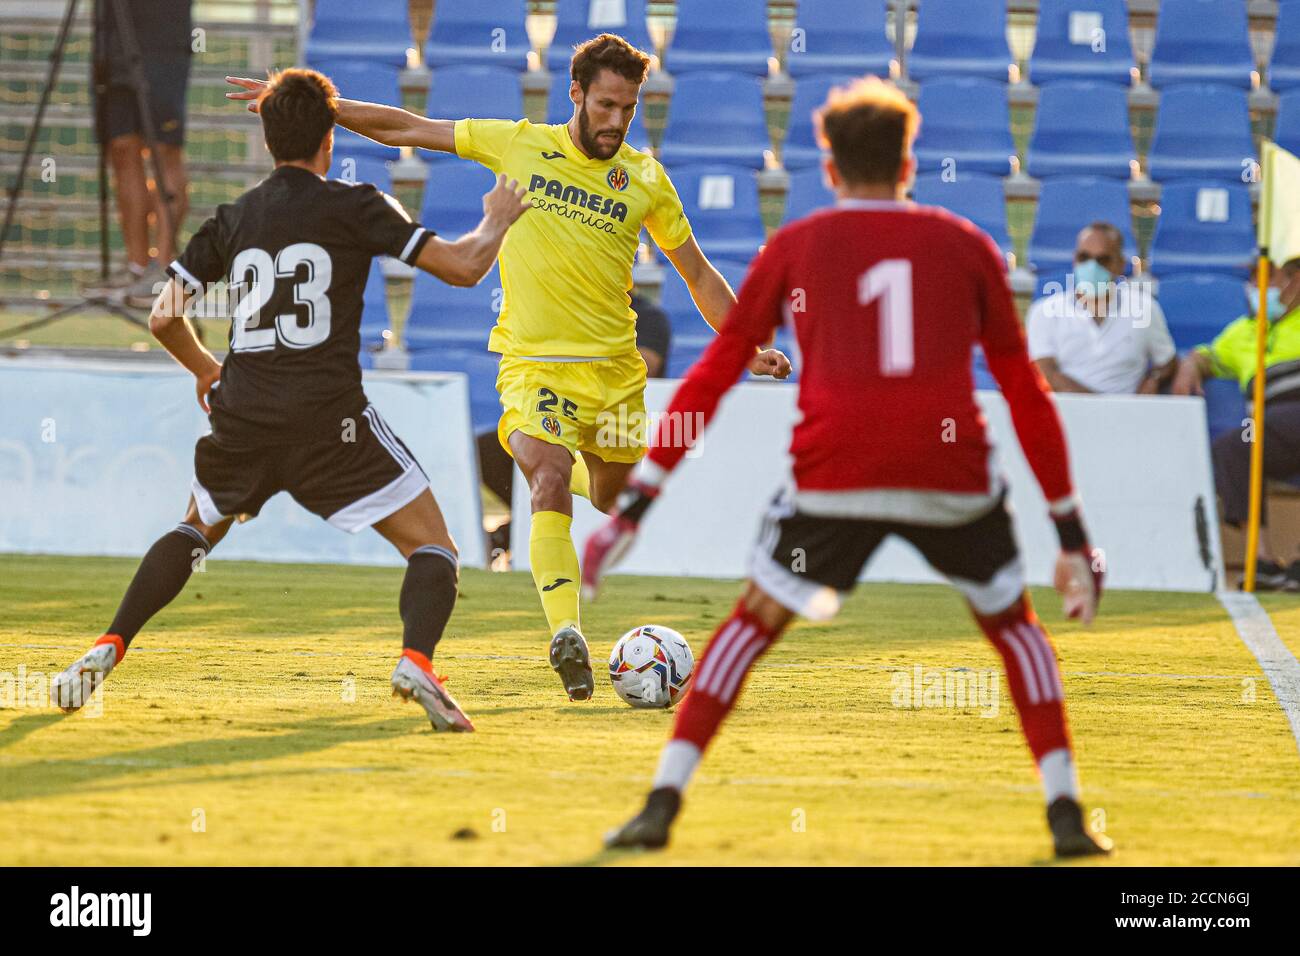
x=634 y=502
x=1069 y=528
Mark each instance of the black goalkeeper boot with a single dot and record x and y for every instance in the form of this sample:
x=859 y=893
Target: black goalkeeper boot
x=649 y=828
x=1069 y=836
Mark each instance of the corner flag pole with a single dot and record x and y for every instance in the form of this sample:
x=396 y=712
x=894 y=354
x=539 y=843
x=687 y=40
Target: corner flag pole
x=1257 y=424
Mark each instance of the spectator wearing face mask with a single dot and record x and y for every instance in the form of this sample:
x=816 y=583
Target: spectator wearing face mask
x=1232 y=355
x=1101 y=333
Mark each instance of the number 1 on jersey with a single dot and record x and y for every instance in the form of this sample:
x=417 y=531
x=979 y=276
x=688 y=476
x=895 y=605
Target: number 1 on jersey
x=890 y=281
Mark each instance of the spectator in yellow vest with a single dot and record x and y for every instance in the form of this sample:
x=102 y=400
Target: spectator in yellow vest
x=1232 y=355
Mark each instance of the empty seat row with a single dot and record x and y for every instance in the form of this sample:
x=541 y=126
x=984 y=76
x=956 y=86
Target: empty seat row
x=1203 y=226
x=1196 y=40
x=1082 y=128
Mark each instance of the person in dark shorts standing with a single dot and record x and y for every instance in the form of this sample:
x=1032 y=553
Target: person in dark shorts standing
x=286 y=407
x=164 y=33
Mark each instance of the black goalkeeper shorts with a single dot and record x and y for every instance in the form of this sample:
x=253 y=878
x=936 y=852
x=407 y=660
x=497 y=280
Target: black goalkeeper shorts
x=809 y=562
x=351 y=484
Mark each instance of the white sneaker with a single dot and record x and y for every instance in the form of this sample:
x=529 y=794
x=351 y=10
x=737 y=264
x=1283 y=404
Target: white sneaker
x=114 y=285
x=410 y=682
x=142 y=293
x=72 y=688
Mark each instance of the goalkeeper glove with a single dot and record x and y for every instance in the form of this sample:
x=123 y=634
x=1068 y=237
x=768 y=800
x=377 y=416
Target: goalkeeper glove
x=607 y=546
x=1080 y=569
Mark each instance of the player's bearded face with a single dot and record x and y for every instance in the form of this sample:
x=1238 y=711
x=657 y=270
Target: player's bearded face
x=600 y=139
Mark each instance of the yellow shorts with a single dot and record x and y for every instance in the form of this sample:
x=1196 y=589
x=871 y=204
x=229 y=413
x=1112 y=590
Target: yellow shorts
x=596 y=406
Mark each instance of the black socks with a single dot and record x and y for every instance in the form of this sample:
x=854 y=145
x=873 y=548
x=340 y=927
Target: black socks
x=161 y=576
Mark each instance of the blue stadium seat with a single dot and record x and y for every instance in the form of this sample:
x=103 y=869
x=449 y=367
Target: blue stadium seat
x=479 y=33
x=1082 y=129
x=574 y=25
x=807 y=193
x=984 y=380
x=480 y=367
x=801 y=149
x=967 y=123
x=722 y=204
x=961 y=38
x=716 y=118
x=360 y=80
x=559 y=109
x=362 y=169
x=1225 y=406
x=691 y=334
x=1284 y=70
x=381 y=35
x=1204 y=227
x=1065 y=206
x=840 y=36
x=444 y=316
x=482 y=92
x=1202 y=41
x=981 y=199
x=453 y=196
x=1082 y=40
x=712 y=36
x=1202 y=131
x=1197 y=307
x=374 y=308
x=1287 y=131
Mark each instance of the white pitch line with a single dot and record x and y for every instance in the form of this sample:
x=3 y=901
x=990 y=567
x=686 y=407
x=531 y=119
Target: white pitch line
x=1280 y=666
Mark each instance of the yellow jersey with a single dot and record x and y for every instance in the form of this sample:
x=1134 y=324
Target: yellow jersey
x=566 y=265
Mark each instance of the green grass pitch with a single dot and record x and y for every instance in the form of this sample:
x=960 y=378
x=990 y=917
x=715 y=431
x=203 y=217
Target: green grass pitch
x=252 y=724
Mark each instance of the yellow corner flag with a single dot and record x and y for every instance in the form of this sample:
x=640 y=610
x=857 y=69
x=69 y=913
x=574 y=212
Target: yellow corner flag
x=1279 y=240
x=1279 y=207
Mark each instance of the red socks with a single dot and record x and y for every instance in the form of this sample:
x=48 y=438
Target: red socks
x=1029 y=661
x=719 y=676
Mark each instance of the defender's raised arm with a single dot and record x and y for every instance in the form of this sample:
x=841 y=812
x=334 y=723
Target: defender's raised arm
x=389 y=125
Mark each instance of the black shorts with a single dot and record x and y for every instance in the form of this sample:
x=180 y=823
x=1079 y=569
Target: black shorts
x=351 y=484
x=808 y=562
x=166 y=82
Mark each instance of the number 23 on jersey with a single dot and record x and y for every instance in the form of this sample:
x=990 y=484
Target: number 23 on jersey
x=254 y=273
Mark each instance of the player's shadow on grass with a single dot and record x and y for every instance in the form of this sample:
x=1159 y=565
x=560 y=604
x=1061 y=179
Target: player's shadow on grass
x=43 y=778
x=605 y=856
x=27 y=724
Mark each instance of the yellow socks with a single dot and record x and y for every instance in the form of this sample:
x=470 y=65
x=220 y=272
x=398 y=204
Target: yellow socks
x=580 y=478
x=554 y=560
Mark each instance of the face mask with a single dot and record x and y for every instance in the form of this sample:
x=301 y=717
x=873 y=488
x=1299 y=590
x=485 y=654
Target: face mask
x=1090 y=277
x=1273 y=302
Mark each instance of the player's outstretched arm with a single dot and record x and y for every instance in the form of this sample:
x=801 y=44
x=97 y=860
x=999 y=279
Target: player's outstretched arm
x=389 y=125
x=467 y=260
x=173 y=331
x=714 y=298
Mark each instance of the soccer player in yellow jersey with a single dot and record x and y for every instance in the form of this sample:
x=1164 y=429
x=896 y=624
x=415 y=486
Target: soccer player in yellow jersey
x=571 y=380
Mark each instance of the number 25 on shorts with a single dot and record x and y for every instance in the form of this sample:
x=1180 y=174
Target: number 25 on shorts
x=549 y=400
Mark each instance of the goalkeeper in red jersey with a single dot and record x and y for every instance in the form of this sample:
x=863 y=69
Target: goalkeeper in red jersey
x=887 y=299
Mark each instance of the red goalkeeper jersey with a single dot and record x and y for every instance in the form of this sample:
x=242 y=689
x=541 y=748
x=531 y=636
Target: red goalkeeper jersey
x=886 y=301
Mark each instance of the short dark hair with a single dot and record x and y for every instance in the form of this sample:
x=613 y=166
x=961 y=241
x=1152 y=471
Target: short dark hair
x=869 y=126
x=1114 y=235
x=298 y=110
x=608 y=52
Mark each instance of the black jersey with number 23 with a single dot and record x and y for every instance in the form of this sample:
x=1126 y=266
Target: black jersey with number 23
x=297 y=250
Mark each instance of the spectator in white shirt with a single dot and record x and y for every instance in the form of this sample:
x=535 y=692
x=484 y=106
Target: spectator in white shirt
x=1101 y=333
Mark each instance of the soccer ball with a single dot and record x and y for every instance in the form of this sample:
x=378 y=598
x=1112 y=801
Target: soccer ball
x=651 y=666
